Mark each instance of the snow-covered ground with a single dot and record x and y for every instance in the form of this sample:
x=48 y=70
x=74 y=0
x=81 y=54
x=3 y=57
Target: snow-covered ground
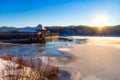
x=96 y=60
x=8 y=68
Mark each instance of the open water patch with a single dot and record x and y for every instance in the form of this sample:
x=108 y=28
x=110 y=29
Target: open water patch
x=50 y=48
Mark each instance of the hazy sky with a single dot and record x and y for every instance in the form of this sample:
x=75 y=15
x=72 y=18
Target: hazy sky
x=21 y=13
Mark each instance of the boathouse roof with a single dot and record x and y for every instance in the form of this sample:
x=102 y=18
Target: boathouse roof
x=28 y=30
x=40 y=27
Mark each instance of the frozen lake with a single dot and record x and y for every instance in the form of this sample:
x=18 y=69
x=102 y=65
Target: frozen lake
x=48 y=49
x=96 y=57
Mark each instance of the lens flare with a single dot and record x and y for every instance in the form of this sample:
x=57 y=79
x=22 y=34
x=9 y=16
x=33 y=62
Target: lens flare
x=100 y=21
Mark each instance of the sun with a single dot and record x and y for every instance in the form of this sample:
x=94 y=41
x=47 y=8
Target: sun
x=100 y=21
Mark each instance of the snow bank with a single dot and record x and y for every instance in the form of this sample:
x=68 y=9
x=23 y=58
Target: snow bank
x=10 y=68
x=64 y=49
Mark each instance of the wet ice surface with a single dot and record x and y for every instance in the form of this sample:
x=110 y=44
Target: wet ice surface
x=48 y=49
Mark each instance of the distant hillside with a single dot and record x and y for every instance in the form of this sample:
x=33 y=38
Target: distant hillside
x=12 y=29
x=73 y=30
x=86 y=30
x=6 y=29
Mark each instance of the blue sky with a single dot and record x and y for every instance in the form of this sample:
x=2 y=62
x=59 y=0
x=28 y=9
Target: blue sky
x=21 y=13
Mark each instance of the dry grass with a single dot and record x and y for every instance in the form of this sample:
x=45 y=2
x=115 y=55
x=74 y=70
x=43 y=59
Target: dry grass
x=21 y=62
x=6 y=57
x=32 y=69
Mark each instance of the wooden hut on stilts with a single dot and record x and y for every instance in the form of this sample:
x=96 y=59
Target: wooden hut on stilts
x=41 y=32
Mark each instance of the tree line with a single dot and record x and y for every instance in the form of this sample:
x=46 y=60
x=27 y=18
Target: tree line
x=85 y=30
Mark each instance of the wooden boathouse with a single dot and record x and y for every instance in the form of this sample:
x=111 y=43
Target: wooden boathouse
x=38 y=34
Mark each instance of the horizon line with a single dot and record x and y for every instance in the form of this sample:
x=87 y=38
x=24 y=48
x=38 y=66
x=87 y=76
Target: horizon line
x=60 y=26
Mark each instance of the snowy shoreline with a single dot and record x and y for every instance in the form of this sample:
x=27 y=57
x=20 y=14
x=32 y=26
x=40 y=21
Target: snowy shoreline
x=9 y=67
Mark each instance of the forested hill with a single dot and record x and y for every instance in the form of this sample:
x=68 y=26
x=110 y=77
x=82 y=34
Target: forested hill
x=86 y=30
x=73 y=30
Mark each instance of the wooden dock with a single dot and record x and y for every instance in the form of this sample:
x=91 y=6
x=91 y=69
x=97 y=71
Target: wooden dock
x=26 y=37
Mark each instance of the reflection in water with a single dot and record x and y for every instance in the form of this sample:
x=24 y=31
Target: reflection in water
x=23 y=49
x=48 y=49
